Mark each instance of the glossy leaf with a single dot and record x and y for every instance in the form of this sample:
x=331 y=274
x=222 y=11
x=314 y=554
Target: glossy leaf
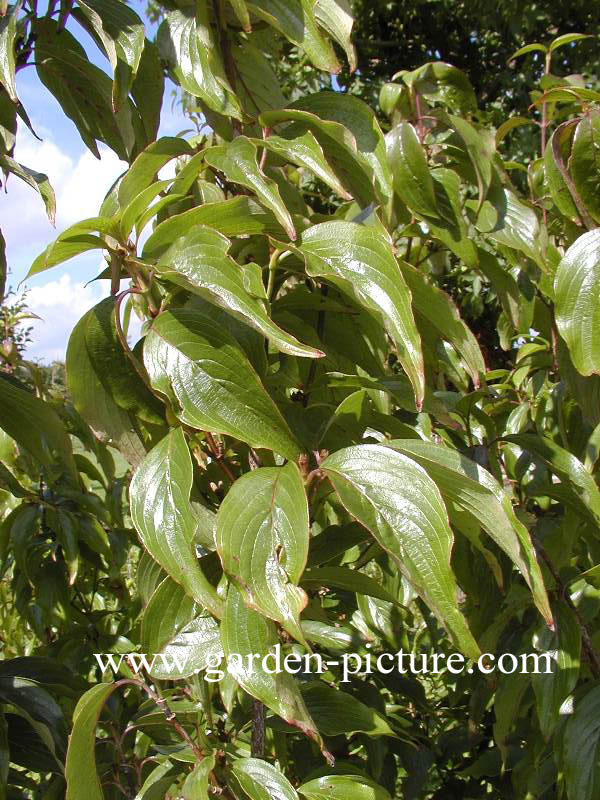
x=210 y=382
x=143 y=171
x=395 y=499
x=200 y=263
x=479 y=497
x=261 y=780
x=343 y=787
x=335 y=16
x=164 y=519
x=360 y=260
x=412 y=179
x=8 y=36
x=37 y=181
x=337 y=712
x=262 y=538
x=583 y=162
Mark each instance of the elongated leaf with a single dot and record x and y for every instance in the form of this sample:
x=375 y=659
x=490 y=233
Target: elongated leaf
x=164 y=519
x=564 y=647
x=81 y=775
x=412 y=179
x=147 y=90
x=583 y=162
x=195 y=786
x=245 y=632
x=528 y=48
x=261 y=780
x=479 y=145
x=360 y=260
x=518 y=227
x=72 y=242
x=577 y=300
x=83 y=90
x=258 y=88
x=235 y=217
x=582 y=734
x=335 y=16
x=554 y=177
x=262 y=538
x=210 y=382
x=343 y=787
x=121 y=33
x=187 y=43
x=108 y=421
x=564 y=464
x=37 y=180
x=199 y=262
x=443 y=83
x=337 y=712
x=305 y=151
x=566 y=38
x=349 y=579
x=480 y=498
x=36 y=426
x=395 y=499
x=237 y=160
x=439 y=310
x=8 y=36
x=295 y=19
x=181 y=631
x=143 y=170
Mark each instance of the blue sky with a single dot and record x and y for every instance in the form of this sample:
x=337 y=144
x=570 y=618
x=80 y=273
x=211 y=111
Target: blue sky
x=60 y=295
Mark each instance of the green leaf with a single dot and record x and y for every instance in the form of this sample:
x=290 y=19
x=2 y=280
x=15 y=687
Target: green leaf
x=121 y=374
x=72 y=242
x=187 y=43
x=200 y=263
x=210 y=382
x=395 y=499
x=583 y=163
x=351 y=580
x=258 y=88
x=240 y=9
x=479 y=144
x=443 y=83
x=510 y=124
x=142 y=173
x=337 y=712
x=121 y=33
x=83 y=90
x=237 y=160
x=580 y=748
x=178 y=629
x=438 y=309
x=335 y=16
x=109 y=422
x=343 y=787
x=80 y=773
x=8 y=36
x=164 y=519
x=480 y=498
x=412 y=178
x=295 y=19
x=195 y=786
x=566 y=38
x=37 y=180
x=262 y=538
x=577 y=301
x=305 y=151
x=565 y=465
x=564 y=647
x=147 y=90
x=36 y=426
x=528 y=48
x=361 y=261
x=4 y=756
x=261 y=780
x=559 y=190
x=245 y=632
x=518 y=226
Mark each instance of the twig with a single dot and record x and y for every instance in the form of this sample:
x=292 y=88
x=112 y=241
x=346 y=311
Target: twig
x=258 y=730
x=218 y=455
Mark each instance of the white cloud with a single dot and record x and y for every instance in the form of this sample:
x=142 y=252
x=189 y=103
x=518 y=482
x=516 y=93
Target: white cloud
x=60 y=304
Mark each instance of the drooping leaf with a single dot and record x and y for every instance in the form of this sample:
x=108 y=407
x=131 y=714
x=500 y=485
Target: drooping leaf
x=479 y=497
x=552 y=689
x=361 y=261
x=337 y=712
x=245 y=632
x=295 y=19
x=8 y=36
x=83 y=90
x=147 y=90
x=210 y=382
x=412 y=178
x=262 y=537
x=351 y=580
x=121 y=33
x=582 y=734
x=395 y=499
x=37 y=180
x=77 y=239
x=187 y=43
x=577 y=301
x=164 y=519
x=258 y=88
x=335 y=16
x=443 y=83
x=200 y=263
x=238 y=161
x=184 y=635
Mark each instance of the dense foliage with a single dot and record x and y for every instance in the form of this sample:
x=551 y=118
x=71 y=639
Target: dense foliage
x=310 y=449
